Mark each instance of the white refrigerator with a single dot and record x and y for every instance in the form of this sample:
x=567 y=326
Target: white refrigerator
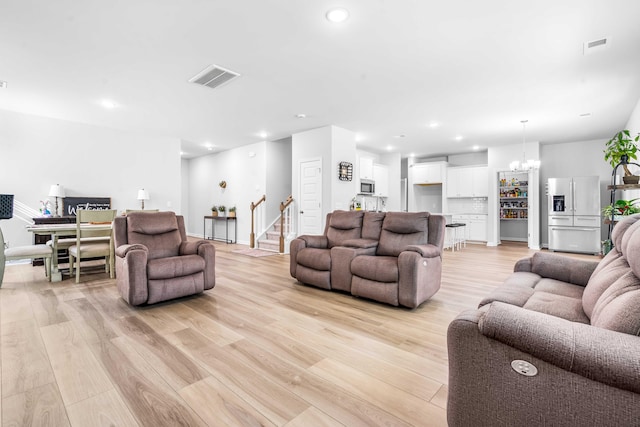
x=574 y=214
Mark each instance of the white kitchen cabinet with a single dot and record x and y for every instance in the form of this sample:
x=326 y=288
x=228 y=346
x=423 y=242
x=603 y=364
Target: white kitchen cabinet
x=366 y=168
x=467 y=181
x=381 y=177
x=427 y=173
x=476 y=226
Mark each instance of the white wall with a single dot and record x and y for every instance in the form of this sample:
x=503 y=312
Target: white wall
x=90 y=161
x=278 y=168
x=394 y=162
x=244 y=170
x=634 y=120
x=343 y=149
x=332 y=145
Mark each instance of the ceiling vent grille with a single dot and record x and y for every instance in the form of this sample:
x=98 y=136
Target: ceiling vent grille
x=213 y=76
x=596 y=45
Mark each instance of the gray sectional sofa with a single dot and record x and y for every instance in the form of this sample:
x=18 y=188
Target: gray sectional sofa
x=393 y=257
x=557 y=344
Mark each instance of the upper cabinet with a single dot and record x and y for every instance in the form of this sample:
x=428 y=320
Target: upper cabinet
x=427 y=173
x=468 y=181
x=366 y=168
x=381 y=177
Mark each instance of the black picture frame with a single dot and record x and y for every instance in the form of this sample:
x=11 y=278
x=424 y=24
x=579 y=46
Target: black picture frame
x=345 y=171
x=71 y=205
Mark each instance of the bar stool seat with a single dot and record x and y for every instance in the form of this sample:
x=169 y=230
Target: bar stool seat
x=456 y=241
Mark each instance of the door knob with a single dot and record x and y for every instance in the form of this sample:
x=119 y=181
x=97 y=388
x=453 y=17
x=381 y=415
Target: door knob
x=301 y=212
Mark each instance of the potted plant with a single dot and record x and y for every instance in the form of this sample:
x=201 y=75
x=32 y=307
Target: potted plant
x=619 y=150
x=221 y=209
x=214 y=210
x=621 y=208
x=232 y=212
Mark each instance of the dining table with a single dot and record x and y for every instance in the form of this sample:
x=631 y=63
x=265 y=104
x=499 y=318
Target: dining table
x=60 y=230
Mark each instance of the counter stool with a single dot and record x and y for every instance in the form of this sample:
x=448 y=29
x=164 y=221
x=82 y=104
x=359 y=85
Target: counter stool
x=456 y=241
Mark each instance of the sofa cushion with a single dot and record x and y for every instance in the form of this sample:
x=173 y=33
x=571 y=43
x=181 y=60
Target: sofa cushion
x=401 y=229
x=344 y=225
x=544 y=295
x=376 y=268
x=168 y=268
x=317 y=259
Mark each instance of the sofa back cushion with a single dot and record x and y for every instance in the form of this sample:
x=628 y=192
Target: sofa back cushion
x=344 y=225
x=372 y=225
x=611 y=299
x=159 y=232
x=400 y=229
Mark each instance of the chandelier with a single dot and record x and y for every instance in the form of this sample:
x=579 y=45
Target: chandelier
x=525 y=165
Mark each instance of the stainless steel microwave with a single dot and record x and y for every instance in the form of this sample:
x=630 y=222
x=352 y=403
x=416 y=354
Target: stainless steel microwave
x=367 y=186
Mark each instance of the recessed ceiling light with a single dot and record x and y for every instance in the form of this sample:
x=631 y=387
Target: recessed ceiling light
x=412 y=155
x=458 y=138
x=434 y=125
x=301 y=116
x=389 y=147
x=107 y=103
x=337 y=15
x=210 y=148
x=475 y=147
x=182 y=153
x=263 y=134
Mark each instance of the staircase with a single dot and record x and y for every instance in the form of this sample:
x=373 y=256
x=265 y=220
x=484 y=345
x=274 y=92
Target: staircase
x=271 y=240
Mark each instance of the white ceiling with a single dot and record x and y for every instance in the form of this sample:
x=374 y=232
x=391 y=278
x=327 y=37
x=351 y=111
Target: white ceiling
x=475 y=67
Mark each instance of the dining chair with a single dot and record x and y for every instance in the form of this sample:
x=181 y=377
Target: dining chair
x=85 y=248
x=24 y=252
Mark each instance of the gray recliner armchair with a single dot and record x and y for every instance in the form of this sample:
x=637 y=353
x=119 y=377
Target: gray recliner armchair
x=154 y=260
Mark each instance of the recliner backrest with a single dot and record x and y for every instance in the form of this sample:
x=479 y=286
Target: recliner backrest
x=611 y=299
x=372 y=225
x=344 y=225
x=159 y=232
x=400 y=229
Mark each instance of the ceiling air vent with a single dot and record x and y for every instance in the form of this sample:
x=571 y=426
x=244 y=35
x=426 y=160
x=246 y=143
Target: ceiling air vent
x=596 y=45
x=213 y=76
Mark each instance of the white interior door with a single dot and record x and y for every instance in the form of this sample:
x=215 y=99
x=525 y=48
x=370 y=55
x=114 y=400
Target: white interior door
x=310 y=214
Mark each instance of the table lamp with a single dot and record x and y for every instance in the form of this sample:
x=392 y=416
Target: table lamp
x=142 y=196
x=56 y=191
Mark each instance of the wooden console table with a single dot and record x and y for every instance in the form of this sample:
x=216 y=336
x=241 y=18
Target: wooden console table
x=226 y=219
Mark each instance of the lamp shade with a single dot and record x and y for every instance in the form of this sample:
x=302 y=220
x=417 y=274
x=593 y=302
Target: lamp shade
x=143 y=194
x=56 y=190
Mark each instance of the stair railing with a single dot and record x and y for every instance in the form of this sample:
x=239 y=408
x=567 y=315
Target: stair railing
x=252 y=236
x=285 y=219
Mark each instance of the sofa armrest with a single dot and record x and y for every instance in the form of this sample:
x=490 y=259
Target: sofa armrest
x=360 y=243
x=122 y=251
x=131 y=271
x=563 y=268
x=523 y=264
x=192 y=248
x=319 y=241
x=598 y=354
x=426 y=251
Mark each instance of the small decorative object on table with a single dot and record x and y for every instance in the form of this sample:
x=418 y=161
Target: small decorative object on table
x=221 y=209
x=214 y=210
x=232 y=212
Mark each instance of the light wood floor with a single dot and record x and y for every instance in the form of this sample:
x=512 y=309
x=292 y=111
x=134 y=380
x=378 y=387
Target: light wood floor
x=258 y=349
